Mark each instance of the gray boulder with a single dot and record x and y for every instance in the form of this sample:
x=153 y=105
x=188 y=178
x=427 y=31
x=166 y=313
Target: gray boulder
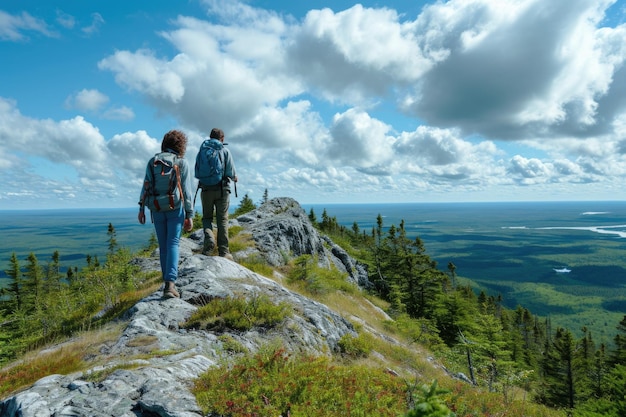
x=282 y=230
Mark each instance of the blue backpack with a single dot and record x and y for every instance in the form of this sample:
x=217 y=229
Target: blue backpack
x=163 y=190
x=209 y=163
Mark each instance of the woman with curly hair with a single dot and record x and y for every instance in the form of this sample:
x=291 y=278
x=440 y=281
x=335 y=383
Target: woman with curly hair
x=169 y=217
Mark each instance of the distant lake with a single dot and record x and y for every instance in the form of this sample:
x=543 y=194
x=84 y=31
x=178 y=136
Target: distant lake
x=511 y=249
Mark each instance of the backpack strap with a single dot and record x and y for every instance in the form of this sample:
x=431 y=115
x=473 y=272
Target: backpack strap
x=170 y=188
x=220 y=155
x=146 y=190
x=146 y=187
x=153 y=165
x=180 y=188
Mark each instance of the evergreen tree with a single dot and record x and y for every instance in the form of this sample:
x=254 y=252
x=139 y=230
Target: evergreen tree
x=325 y=223
x=14 y=291
x=355 y=229
x=452 y=272
x=72 y=276
x=618 y=356
x=515 y=339
x=492 y=355
x=30 y=318
x=392 y=268
x=112 y=239
x=557 y=386
x=246 y=205
x=454 y=314
x=526 y=325
x=53 y=274
x=598 y=372
x=312 y=217
x=33 y=284
x=381 y=284
x=153 y=243
x=265 y=197
x=584 y=362
x=617 y=388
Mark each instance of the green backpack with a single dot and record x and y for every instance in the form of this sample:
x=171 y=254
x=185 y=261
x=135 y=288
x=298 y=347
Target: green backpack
x=162 y=189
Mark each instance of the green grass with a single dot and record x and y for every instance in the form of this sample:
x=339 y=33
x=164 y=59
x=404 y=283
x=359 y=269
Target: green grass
x=65 y=359
x=273 y=383
x=238 y=313
x=258 y=265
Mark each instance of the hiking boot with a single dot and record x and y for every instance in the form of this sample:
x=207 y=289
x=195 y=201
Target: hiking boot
x=209 y=242
x=228 y=256
x=170 y=290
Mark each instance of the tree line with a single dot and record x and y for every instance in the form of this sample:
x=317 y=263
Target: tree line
x=42 y=303
x=498 y=348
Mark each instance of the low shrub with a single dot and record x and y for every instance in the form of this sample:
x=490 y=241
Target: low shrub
x=238 y=313
x=356 y=347
x=272 y=383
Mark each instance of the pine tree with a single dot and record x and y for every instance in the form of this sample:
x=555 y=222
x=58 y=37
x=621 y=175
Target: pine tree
x=246 y=205
x=14 y=291
x=598 y=373
x=616 y=389
x=325 y=223
x=355 y=229
x=515 y=340
x=455 y=314
x=312 y=217
x=527 y=337
x=33 y=284
x=557 y=386
x=381 y=284
x=452 y=272
x=584 y=364
x=112 y=239
x=52 y=281
x=153 y=243
x=618 y=356
x=495 y=359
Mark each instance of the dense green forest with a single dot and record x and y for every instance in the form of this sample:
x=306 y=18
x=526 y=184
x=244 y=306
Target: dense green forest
x=496 y=348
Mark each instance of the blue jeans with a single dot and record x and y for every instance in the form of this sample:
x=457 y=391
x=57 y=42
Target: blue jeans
x=168 y=226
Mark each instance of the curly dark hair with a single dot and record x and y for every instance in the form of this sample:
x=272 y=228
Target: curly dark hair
x=176 y=141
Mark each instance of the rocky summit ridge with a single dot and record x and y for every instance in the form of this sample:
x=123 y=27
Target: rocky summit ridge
x=161 y=385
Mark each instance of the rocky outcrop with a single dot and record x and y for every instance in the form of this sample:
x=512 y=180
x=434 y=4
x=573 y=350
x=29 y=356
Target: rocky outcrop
x=160 y=385
x=282 y=230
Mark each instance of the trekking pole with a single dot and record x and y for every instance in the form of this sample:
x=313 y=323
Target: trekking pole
x=196 y=195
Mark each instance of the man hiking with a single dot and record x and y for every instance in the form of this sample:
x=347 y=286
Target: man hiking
x=215 y=170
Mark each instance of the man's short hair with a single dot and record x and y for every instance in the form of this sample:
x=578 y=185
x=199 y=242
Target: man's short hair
x=216 y=133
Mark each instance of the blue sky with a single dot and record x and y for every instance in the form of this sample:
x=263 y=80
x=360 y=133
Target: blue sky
x=325 y=102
